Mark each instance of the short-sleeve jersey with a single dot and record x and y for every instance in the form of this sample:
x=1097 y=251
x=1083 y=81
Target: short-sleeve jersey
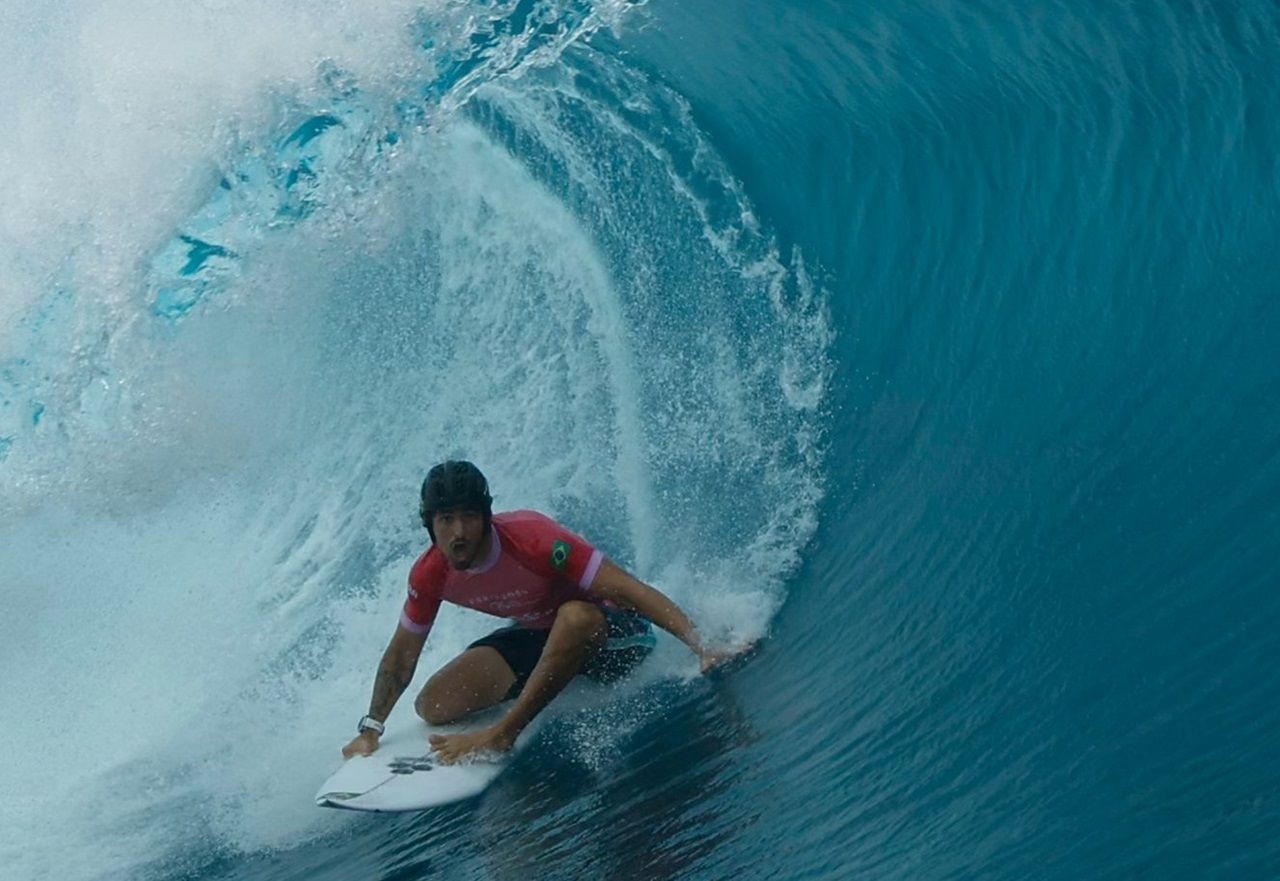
x=534 y=566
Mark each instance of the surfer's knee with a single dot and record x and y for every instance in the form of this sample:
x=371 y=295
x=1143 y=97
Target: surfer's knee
x=582 y=618
x=430 y=709
x=434 y=715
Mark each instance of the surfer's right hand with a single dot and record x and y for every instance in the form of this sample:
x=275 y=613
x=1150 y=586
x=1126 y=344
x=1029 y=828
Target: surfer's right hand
x=363 y=744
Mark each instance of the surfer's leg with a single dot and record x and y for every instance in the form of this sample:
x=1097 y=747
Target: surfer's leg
x=577 y=634
x=579 y=631
x=630 y=640
x=476 y=679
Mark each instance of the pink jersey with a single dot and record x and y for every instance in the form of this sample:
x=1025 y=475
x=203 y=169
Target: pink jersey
x=534 y=566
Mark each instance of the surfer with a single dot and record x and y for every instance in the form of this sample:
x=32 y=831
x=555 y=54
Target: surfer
x=575 y=612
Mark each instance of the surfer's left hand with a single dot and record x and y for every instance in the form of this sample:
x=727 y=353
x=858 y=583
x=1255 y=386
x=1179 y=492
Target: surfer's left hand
x=713 y=659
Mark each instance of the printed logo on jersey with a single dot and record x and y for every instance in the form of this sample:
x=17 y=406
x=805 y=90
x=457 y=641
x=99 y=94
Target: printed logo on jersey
x=559 y=554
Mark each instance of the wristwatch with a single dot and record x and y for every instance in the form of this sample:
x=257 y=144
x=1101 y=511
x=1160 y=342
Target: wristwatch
x=368 y=722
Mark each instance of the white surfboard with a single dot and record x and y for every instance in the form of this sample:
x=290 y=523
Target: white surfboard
x=405 y=775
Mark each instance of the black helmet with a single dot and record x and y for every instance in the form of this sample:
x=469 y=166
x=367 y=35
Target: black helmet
x=455 y=486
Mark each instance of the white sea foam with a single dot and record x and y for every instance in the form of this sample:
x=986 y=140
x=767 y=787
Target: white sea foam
x=117 y=112
x=204 y=541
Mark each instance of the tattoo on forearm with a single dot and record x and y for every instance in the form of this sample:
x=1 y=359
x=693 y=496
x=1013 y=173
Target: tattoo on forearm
x=387 y=688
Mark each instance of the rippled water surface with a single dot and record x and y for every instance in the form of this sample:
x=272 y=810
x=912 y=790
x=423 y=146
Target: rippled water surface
x=933 y=342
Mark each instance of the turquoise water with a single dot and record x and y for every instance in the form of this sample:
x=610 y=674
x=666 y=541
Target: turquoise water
x=934 y=343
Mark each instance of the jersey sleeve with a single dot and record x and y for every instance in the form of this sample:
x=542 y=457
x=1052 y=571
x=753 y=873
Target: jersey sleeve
x=426 y=586
x=552 y=551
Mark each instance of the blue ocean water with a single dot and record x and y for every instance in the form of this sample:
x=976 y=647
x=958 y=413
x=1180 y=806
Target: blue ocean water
x=932 y=342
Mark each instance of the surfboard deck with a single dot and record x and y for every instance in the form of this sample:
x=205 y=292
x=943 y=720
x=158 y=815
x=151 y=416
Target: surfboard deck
x=404 y=775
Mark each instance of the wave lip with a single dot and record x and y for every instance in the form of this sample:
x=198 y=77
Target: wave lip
x=544 y=274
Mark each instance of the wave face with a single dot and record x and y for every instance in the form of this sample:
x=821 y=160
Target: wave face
x=934 y=343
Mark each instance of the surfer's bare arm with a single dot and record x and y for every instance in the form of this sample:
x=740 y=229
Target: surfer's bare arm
x=395 y=672
x=614 y=583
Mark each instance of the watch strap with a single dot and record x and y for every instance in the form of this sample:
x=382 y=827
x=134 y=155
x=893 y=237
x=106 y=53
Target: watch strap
x=368 y=723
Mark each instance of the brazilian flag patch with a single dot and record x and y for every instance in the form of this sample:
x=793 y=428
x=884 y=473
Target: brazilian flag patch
x=559 y=554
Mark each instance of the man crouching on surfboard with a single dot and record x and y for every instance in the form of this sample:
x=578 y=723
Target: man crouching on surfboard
x=575 y=612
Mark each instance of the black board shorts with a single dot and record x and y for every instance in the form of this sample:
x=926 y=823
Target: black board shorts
x=629 y=642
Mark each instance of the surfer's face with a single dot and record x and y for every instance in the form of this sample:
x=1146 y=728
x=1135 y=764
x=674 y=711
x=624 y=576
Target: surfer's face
x=460 y=536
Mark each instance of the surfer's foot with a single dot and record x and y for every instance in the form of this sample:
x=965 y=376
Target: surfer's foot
x=450 y=748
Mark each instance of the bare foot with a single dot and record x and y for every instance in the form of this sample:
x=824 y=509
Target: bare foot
x=451 y=748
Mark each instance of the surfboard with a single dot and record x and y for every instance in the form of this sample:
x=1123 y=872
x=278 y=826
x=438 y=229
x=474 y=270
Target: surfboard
x=404 y=775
